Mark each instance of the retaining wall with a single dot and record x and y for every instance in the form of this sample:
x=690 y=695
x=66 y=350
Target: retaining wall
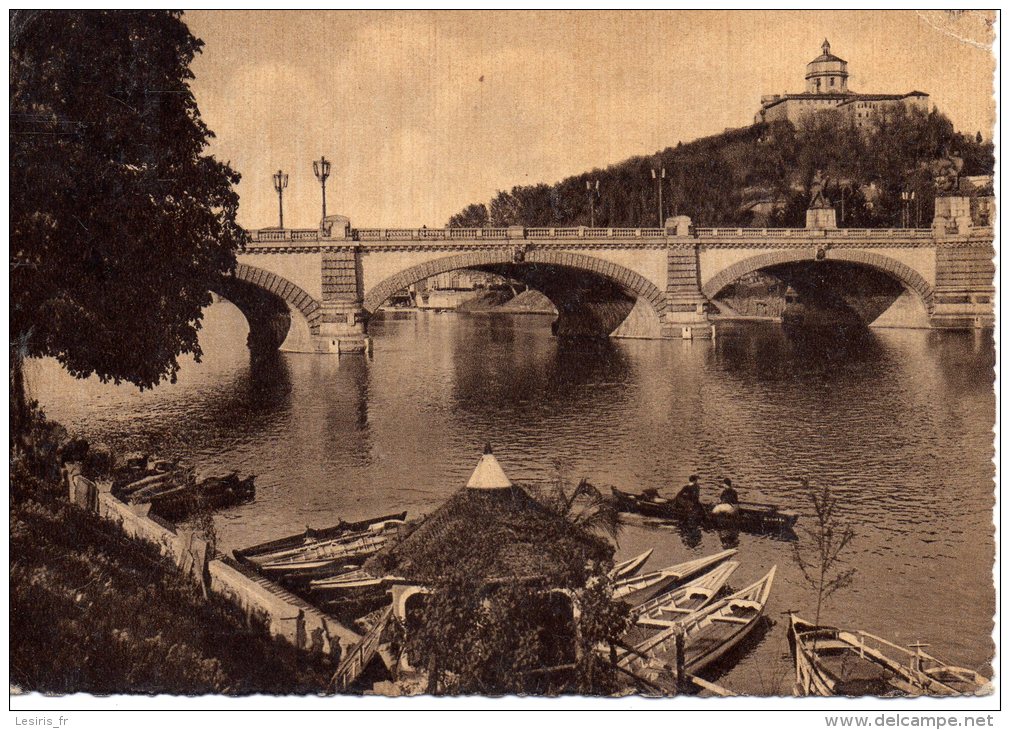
x=263 y=602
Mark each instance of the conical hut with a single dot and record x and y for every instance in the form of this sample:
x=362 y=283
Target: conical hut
x=497 y=531
x=493 y=559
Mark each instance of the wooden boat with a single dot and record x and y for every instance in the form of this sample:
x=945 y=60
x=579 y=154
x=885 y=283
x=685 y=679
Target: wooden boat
x=708 y=634
x=960 y=679
x=640 y=588
x=686 y=599
x=749 y=516
x=752 y=516
x=311 y=537
x=647 y=503
x=835 y=662
x=353 y=548
x=211 y=493
x=669 y=609
x=354 y=581
x=348 y=543
x=631 y=566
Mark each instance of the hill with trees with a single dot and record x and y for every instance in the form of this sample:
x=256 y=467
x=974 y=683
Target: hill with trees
x=759 y=176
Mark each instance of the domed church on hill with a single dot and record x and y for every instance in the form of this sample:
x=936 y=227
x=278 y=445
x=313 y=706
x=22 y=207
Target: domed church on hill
x=828 y=88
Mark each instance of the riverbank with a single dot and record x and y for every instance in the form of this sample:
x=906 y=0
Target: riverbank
x=94 y=611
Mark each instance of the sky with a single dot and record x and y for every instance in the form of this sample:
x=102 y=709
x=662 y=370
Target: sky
x=424 y=112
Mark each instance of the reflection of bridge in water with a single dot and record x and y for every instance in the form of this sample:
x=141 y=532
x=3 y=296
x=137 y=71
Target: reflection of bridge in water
x=314 y=290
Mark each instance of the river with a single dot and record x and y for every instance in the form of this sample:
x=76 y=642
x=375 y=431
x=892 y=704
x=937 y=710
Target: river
x=900 y=426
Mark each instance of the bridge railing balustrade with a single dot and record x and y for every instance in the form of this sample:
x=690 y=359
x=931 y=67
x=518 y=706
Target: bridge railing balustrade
x=543 y=232
x=270 y=235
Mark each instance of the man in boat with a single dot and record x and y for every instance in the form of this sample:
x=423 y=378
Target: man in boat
x=688 y=499
x=729 y=501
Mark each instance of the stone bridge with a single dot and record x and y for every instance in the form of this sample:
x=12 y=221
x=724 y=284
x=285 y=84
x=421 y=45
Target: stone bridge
x=314 y=290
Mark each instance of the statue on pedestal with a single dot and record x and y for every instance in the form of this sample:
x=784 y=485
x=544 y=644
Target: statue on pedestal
x=818 y=186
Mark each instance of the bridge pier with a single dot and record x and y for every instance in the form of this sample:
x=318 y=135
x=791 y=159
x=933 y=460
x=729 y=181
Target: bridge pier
x=342 y=326
x=685 y=316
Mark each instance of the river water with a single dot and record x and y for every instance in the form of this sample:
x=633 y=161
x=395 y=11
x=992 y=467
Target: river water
x=900 y=426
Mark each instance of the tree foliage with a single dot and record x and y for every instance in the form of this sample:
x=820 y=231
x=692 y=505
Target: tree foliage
x=718 y=180
x=472 y=216
x=120 y=223
x=517 y=637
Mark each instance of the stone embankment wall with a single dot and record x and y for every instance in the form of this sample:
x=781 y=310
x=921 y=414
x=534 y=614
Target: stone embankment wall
x=264 y=603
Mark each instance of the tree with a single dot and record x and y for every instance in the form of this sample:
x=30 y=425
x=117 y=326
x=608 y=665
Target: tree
x=472 y=216
x=120 y=224
x=819 y=560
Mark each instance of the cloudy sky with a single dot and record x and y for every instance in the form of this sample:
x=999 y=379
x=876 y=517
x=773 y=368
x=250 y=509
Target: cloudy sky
x=424 y=112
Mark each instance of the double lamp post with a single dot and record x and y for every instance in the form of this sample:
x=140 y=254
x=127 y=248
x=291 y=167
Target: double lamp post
x=320 y=168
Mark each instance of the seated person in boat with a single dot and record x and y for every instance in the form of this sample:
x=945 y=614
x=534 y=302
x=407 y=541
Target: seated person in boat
x=688 y=498
x=728 y=501
x=652 y=495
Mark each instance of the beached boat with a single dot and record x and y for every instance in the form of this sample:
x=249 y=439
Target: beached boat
x=352 y=549
x=834 y=662
x=210 y=493
x=356 y=581
x=640 y=588
x=630 y=567
x=368 y=540
x=680 y=602
x=708 y=634
x=310 y=537
x=749 y=516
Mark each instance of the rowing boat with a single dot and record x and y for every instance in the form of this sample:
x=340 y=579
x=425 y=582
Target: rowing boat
x=962 y=680
x=630 y=567
x=310 y=537
x=834 y=662
x=333 y=558
x=363 y=541
x=688 y=598
x=708 y=634
x=748 y=516
x=351 y=582
x=669 y=609
x=640 y=588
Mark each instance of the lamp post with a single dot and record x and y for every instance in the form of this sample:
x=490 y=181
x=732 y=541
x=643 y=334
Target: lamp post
x=321 y=169
x=906 y=197
x=594 y=193
x=659 y=191
x=280 y=182
x=844 y=190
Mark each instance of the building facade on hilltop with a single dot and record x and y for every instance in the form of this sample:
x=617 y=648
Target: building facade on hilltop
x=828 y=88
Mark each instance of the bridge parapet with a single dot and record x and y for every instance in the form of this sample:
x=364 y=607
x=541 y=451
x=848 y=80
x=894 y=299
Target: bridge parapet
x=893 y=236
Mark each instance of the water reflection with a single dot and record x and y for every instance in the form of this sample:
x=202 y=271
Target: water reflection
x=898 y=423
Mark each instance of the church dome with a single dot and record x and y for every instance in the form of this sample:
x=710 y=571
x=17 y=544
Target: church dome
x=827 y=74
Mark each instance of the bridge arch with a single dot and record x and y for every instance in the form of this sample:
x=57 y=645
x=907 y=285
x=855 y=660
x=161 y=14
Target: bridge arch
x=299 y=299
x=280 y=314
x=636 y=286
x=909 y=277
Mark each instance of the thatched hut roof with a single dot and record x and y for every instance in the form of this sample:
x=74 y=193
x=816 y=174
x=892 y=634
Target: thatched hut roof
x=495 y=530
